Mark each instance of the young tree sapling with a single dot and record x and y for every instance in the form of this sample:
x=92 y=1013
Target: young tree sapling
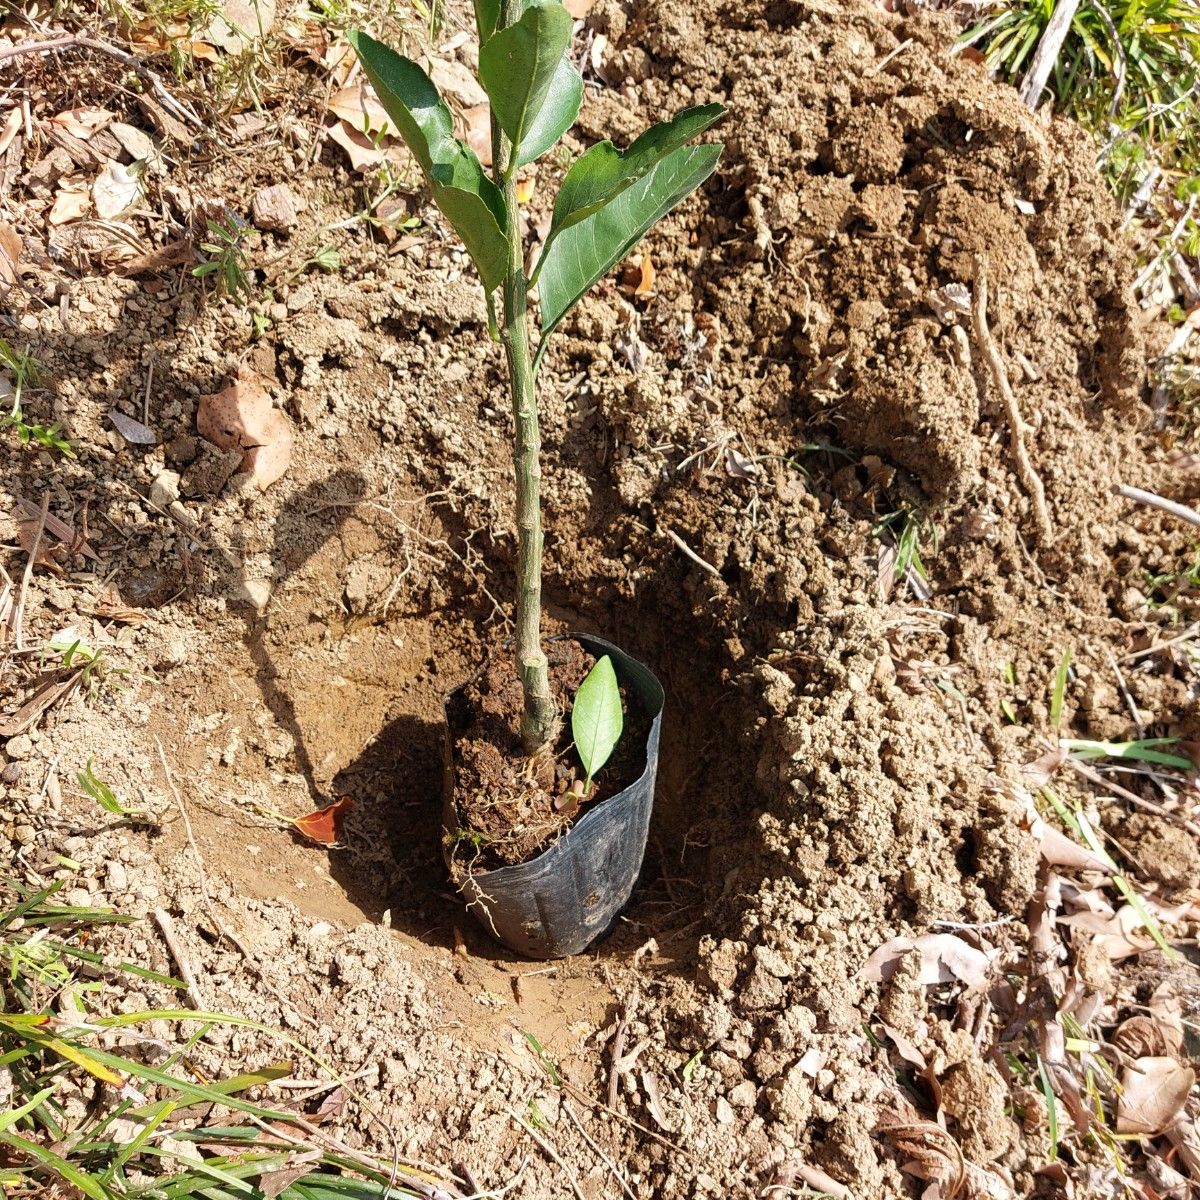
x=607 y=202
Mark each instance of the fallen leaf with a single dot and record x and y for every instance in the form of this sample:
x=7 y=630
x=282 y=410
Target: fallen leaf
x=82 y=122
x=363 y=154
x=131 y=430
x=115 y=189
x=457 y=81
x=654 y=1102
x=738 y=465
x=1153 y=1092
x=241 y=417
x=10 y=255
x=479 y=131
x=359 y=107
x=645 y=287
x=239 y=23
x=8 y=131
x=110 y=607
x=1145 y=1037
x=322 y=826
x=331 y=1107
x=70 y=204
x=58 y=528
x=1038 y=773
x=944 y=959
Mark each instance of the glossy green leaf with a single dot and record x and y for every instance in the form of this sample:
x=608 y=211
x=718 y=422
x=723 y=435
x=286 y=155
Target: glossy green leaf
x=589 y=249
x=469 y=200
x=604 y=171
x=557 y=114
x=517 y=66
x=596 y=717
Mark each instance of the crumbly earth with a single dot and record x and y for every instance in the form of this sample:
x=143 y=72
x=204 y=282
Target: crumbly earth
x=797 y=376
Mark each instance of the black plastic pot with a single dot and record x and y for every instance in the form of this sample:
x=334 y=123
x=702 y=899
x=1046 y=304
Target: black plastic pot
x=563 y=900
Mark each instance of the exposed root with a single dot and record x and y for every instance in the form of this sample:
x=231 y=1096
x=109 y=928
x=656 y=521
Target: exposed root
x=983 y=338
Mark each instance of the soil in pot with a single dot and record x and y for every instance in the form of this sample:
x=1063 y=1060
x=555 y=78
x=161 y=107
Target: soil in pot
x=511 y=807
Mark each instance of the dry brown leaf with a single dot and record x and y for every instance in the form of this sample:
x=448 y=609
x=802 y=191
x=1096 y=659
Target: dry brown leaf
x=361 y=151
x=238 y=24
x=931 y=1155
x=71 y=204
x=645 y=287
x=10 y=256
x=1153 y=1092
x=479 y=131
x=1039 y=772
x=116 y=188
x=1145 y=1037
x=83 y=122
x=944 y=958
x=654 y=1102
x=241 y=417
x=110 y=607
x=131 y=430
x=9 y=127
x=359 y=107
x=457 y=81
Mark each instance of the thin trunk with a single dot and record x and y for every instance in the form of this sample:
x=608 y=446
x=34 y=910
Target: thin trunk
x=539 y=716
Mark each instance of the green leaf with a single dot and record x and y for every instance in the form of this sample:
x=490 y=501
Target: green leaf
x=596 y=717
x=557 y=114
x=590 y=248
x=604 y=171
x=468 y=199
x=487 y=17
x=517 y=66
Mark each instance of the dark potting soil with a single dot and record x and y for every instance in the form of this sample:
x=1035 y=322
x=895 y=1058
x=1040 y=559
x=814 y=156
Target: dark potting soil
x=510 y=807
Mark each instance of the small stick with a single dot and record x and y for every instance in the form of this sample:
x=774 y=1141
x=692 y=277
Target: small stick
x=69 y=40
x=19 y=611
x=618 y=1048
x=1189 y=632
x=707 y=566
x=1029 y=477
x=1133 y=797
x=1134 y=711
x=1141 y=496
x=166 y=924
x=549 y=1150
x=587 y=1137
x=1049 y=46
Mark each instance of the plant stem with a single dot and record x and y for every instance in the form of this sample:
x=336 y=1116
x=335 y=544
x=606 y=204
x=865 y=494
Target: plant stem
x=539 y=715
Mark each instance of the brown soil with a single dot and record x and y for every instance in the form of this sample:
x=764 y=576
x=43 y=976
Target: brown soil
x=830 y=742
x=511 y=807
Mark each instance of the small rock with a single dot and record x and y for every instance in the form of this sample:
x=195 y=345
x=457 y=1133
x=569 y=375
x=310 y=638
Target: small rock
x=117 y=877
x=745 y=1095
x=25 y=834
x=275 y=209
x=78 y=898
x=724 y=1111
x=164 y=491
x=19 y=747
x=174 y=653
x=11 y=773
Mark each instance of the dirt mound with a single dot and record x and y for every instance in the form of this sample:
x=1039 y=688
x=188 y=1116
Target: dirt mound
x=801 y=384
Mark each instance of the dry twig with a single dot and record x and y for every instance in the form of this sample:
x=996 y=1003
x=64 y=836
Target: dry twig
x=19 y=610
x=70 y=40
x=551 y=1153
x=700 y=562
x=166 y=925
x=1028 y=476
x=1049 y=48
x=1141 y=496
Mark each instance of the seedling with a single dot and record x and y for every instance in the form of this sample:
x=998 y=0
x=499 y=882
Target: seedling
x=24 y=370
x=608 y=200
x=227 y=263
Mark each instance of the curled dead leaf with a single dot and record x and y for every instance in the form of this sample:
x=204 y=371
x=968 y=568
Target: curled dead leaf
x=1153 y=1093
x=323 y=826
x=10 y=256
x=944 y=958
x=83 y=122
x=116 y=188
